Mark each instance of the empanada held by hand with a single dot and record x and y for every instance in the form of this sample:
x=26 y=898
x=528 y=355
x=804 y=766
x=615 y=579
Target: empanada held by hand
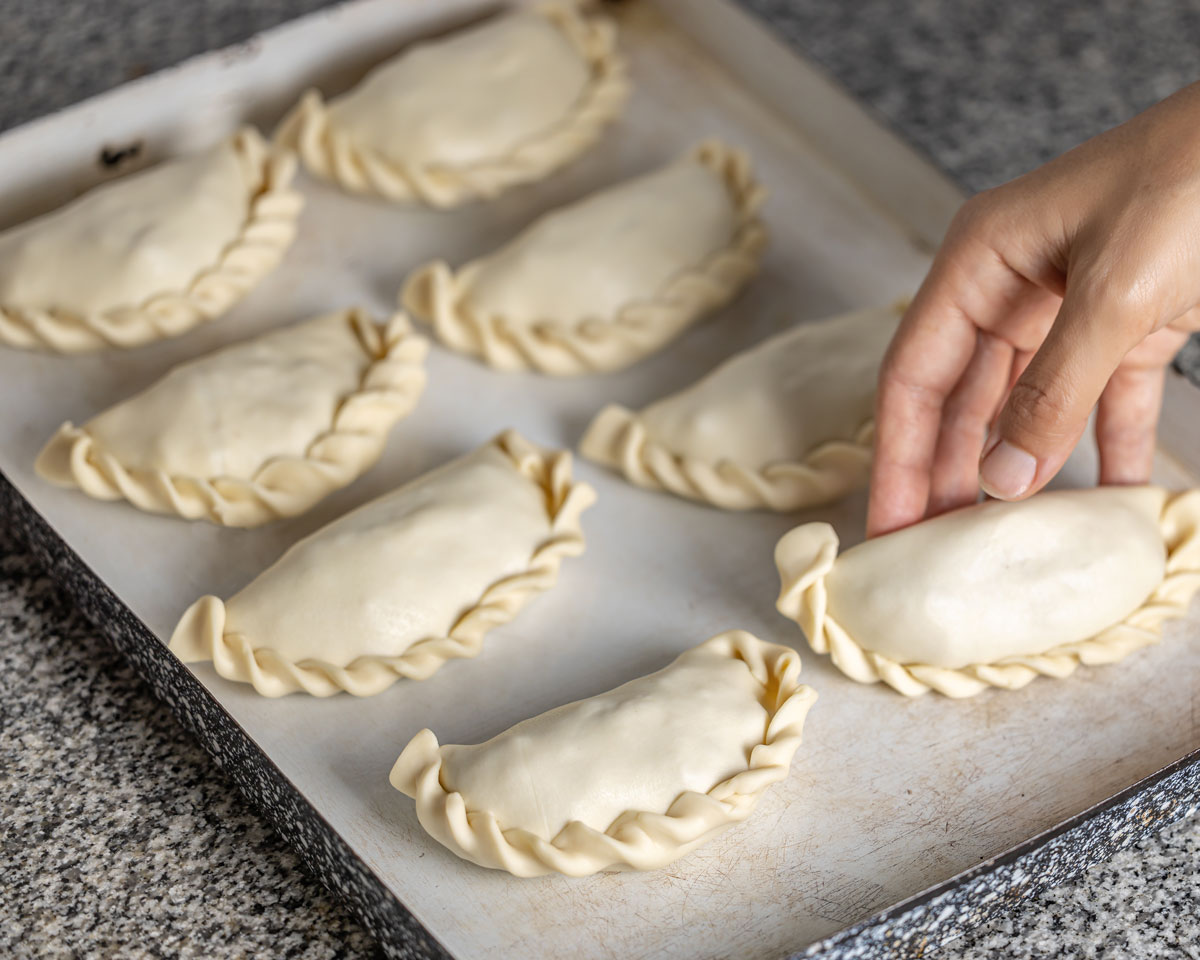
x=997 y=593
x=402 y=584
x=602 y=283
x=150 y=255
x=630 y=779
x=467 y=116
x=257 y=430
x=784 y=425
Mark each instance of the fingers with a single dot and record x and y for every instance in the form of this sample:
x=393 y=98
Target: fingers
x=1127 y=416
x=1126 y=421
x=965 y=418
x=928 y=355
x=1048 y=407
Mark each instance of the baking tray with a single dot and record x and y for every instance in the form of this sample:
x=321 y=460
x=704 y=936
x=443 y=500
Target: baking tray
x=903 y=821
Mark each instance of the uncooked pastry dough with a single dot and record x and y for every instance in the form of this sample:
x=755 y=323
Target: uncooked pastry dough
x=603 y=282
x=469 y=115
x=402 y=584
x=630 y=779
x=784 y=425
x=255 y=431
x=152 y=254
x=997 y=593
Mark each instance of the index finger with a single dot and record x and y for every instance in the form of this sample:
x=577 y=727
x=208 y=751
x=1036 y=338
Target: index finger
x=932 y=347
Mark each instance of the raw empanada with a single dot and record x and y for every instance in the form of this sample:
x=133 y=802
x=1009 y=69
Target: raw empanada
x=786 y=424
x=630 y=779
x=402 y=584
x=152 y=254
x=469 y=115
x=996 y=593
x=258 y=430
x=603 y=282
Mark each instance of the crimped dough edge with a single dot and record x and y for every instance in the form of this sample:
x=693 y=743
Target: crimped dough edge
x=637 y=839
x=327 y=155
x=390 y=386
x=257 y=248
x=805 y=555
x=434 y=294
x=618 y=438
x=200 y=634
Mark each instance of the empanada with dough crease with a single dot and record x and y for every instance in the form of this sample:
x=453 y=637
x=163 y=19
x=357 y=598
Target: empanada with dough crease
x=257 y=430
x=603 y=282
x=784 y=425
x=402 y=584
x=630 y=779
x=996 y=593
x=152 y=254
x=468 y=115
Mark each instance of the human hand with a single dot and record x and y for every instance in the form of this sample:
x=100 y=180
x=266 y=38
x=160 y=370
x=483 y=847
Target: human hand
x=1067 y=289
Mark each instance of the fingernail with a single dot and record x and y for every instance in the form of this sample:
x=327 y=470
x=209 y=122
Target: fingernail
x=1006 y=472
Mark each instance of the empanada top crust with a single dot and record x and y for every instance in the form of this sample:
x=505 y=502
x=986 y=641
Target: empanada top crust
x=466 y=98
x=637 y=747
x=399 y=569
x=1001 y=580
x=228 y=413
x=780 y=400
x=126 y=241
x=619 y=246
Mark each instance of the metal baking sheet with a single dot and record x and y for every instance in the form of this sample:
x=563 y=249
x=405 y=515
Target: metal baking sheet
x=888 y=797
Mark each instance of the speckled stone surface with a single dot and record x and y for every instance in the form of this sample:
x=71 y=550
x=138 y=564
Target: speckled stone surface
x=118 y=835
x=1143 y=903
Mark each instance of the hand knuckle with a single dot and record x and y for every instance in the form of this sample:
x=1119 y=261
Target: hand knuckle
x=1035 y=410
x=976 y=213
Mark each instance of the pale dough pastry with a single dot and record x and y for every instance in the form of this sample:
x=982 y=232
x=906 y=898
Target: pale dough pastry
x=402 y=584
x=467 y=116
x=997 y=593
x=784 y=425
x=630 y=779
x=603 y=282
x=152 y=254
x=257 y=430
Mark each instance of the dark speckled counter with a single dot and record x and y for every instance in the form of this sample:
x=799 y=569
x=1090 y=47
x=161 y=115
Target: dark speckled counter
x=119 y=837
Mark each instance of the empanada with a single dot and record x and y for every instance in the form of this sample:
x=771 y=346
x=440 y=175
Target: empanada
x=784 y=425
x=630 y=779
x=257 y=430
x=603 y=282
x=152 y=254
x=469 y=115
x=997 y=593
x=402 y=584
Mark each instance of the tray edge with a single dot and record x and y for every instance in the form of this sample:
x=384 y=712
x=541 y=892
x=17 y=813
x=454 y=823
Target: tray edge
x=324 y=852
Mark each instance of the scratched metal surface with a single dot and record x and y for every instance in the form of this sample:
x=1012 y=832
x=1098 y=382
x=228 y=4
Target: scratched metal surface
x=887 y=797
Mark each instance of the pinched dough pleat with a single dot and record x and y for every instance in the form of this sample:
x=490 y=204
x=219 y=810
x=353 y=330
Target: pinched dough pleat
x=997 y=593
x=469 y=115
x=402 y=584
x=603 y=282
x=152 y=254
x=784 y=425
x=257 y=430
x=630 y=779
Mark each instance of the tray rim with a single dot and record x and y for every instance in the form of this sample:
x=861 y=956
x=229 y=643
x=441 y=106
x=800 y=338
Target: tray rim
x=928 y=918
x=324 y=852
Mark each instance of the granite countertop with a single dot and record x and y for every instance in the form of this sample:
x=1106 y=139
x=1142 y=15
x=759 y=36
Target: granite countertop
x=118 y=835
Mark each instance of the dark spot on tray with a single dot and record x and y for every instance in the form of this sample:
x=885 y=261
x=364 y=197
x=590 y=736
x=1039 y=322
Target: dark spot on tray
x=112 y=158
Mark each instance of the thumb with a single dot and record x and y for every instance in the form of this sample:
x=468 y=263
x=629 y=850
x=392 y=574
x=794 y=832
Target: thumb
x=1048 y=407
